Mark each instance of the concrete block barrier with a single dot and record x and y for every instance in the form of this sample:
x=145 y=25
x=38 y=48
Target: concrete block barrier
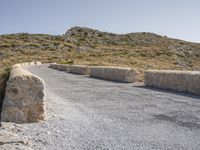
x=16 y=66
x=61 y=67
x=54 y=66
x=38 y=63
x=119 y=74
x=24 y=99
x=25 y=64
x=80 y=69
x=64 y=67
x=31 y=63
x=22 y=65
x=181 y=81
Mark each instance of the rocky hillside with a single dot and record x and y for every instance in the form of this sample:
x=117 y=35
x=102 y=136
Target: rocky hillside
x=89 y=36
x=92 y=47
x=143 y=50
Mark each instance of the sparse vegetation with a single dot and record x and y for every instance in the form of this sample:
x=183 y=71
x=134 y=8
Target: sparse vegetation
x=69 y=61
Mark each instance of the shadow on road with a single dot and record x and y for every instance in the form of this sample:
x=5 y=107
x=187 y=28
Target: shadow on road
x=170 y=92
x=108 y=80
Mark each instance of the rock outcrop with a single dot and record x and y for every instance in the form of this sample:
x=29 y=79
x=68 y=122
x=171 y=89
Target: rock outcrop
x=120 y=74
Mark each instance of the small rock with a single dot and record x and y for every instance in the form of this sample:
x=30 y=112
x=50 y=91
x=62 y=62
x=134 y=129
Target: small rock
x=48 y=132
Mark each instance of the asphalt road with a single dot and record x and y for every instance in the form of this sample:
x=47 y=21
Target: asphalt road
x=92 y=114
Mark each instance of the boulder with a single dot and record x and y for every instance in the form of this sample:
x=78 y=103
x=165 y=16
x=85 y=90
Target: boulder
x=24 y=99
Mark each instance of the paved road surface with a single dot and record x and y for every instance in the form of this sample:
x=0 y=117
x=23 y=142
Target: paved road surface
x=92 y=114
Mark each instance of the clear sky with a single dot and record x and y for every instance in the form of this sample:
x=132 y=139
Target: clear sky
x=174 y=18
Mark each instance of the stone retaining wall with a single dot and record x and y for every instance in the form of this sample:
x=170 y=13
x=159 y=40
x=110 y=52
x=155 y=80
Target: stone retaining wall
x=31 y=63
x=182 y=81
x=24 y=99
x=54 y=66
x=120 y=74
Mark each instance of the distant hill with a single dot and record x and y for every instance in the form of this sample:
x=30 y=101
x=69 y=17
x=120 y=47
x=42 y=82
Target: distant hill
x=87 y=46
x=89 y=36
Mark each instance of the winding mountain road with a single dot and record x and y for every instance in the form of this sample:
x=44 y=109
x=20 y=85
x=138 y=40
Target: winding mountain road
x=93 y=114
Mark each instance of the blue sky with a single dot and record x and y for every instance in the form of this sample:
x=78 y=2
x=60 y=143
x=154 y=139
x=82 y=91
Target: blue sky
x=174 y=18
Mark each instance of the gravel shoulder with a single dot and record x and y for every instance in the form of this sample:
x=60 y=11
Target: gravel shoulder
x=87 y=113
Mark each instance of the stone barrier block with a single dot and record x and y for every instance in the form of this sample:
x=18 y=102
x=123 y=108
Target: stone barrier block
x=17 y=65
x=181 y=81
x=24 y=99
x=64 y=67
x=31 y=63
x=120 y=74
x=54 y=66
x=25 y=64
x=38 y=63
x=80 y=69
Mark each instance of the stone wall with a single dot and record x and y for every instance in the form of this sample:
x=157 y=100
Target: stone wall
x=24 y=99
x=120 y=74
x=182 y=81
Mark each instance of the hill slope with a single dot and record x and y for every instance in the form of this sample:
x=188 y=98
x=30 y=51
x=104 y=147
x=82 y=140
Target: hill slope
x=142 y=50
x=92 y=47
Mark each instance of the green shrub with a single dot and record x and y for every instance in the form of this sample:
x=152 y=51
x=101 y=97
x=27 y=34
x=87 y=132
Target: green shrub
x=69 y=61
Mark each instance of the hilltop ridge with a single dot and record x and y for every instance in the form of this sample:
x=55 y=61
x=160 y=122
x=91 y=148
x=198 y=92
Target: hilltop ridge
x=91 y=36
x=130 y=38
